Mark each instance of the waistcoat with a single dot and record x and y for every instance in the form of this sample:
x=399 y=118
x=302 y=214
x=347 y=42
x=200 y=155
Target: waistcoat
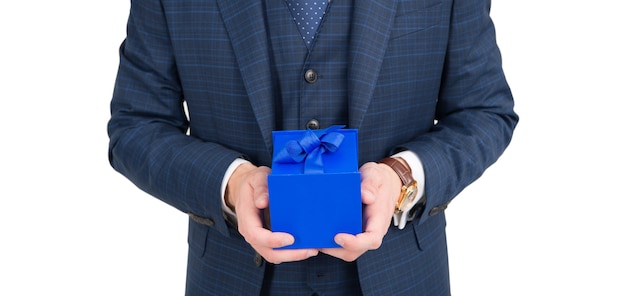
x=310 y=84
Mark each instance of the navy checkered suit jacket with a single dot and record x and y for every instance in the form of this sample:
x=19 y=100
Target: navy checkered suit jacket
x=423 y=75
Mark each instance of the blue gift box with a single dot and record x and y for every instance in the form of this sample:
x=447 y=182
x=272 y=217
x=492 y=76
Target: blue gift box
x=315 y=186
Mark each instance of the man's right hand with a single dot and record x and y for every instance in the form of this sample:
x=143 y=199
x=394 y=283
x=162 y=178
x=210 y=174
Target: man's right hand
x=247 y=195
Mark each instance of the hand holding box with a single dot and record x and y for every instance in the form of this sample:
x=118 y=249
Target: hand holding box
x=315 y=186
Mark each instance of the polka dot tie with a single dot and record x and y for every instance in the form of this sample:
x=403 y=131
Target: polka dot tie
x=308 y=16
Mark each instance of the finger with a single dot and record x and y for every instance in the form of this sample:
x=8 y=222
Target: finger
x=249 y=217
x=376 y=221
x=249 y=214
x=280 y=256
x=372 y=178
x=268 y=243
x=361 y=242
x=259 y=187
x=261 y=201
x=367 y=197
x=349 y=251
x=264 y=238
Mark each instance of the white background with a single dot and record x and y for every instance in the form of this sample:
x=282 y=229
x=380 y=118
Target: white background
x=545 y=220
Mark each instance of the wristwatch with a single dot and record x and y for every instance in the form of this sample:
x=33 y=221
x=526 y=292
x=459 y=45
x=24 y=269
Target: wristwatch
x=408 y=192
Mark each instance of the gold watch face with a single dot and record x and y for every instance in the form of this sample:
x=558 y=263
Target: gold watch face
x=407 y=196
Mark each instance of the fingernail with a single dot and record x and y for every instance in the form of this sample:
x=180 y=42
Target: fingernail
x=257 y=198
x=286 y=241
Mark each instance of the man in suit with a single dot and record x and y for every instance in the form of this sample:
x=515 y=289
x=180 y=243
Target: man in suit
x=420 y=80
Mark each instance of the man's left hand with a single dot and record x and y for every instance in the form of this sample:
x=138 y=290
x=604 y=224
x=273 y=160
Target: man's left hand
x=380 y=188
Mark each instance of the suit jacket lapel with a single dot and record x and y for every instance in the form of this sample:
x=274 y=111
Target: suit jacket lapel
x=371 y=27
x=244 y=21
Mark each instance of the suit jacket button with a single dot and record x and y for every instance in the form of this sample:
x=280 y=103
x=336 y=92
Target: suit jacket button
x=313 y=124
x=258 y=260
x=202 y=220
x=438 y=209
x=310 y=76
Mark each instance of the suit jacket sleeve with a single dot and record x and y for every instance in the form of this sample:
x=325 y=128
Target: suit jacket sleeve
x=148 y=126
x=474 y=115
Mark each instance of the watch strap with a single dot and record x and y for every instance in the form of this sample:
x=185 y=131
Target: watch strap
x=403 y=171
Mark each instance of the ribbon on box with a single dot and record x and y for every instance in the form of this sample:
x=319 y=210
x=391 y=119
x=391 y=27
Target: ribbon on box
x=310 y=147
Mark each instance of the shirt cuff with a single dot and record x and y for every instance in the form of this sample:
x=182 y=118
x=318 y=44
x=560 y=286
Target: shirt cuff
x=417 y=170
x=228 y=213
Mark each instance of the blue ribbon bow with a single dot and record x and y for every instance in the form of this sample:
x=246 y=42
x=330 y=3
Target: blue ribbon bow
x=310 y=148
